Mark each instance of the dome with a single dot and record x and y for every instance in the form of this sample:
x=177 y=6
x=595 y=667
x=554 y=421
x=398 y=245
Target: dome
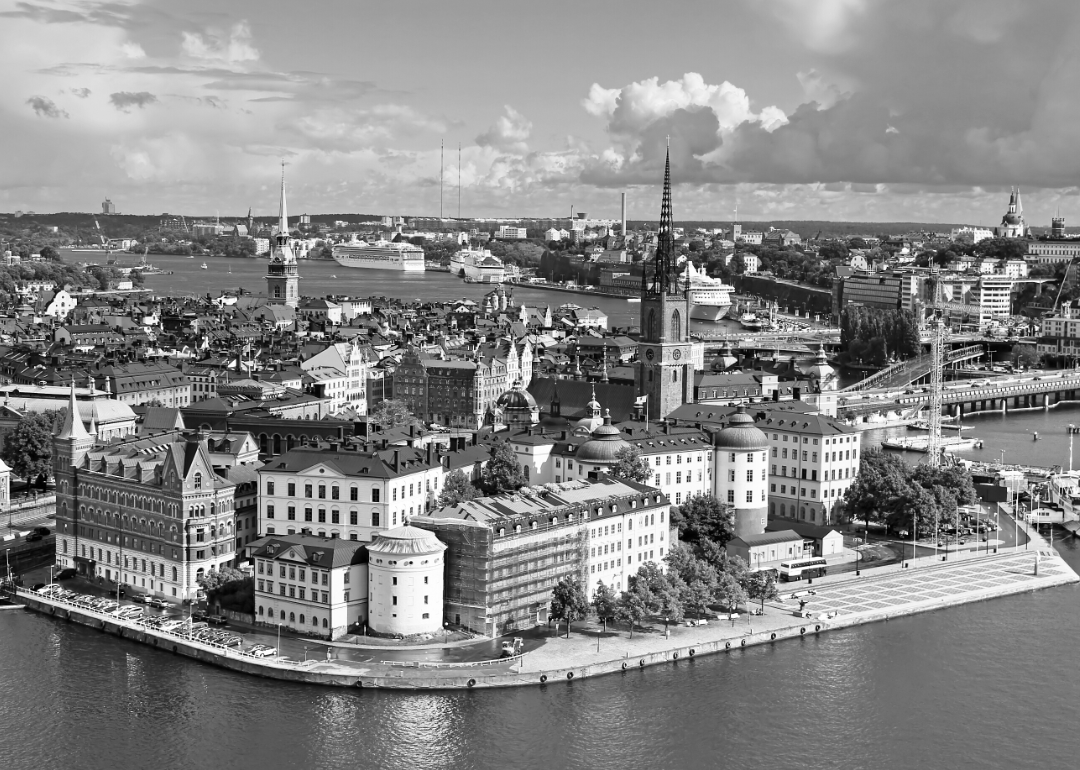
x=406 y=540
x=1011 y=218
x=605 y=443
x=741 y=434
x=516 y=398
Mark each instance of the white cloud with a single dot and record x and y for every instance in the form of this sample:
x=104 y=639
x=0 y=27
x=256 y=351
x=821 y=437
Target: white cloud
x=510 y=132
x=132 y=50
x=234 y=45
x=823 y=25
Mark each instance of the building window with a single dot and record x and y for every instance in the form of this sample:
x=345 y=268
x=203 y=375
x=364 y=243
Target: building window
x=292 y=489
x=307 y=490
x=334 y=492
x=292 y=513
x=322 y=515
x=270 y=487
x=270 y=511
x=731 y=495
x=322 y=491
x=307 y=514
x=375 y=495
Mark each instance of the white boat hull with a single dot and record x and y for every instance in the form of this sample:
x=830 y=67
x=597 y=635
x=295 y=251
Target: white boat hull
x=374 y=263
x=708 y=312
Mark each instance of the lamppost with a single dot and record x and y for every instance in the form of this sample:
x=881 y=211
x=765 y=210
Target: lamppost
x=446 y=632
x=279 y=641
x=1072 y=432
x=667 y=634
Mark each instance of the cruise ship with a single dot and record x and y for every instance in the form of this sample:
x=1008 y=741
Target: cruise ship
x=477 y=266
x=709 y=297
x=1064 y=490
x=381 y=255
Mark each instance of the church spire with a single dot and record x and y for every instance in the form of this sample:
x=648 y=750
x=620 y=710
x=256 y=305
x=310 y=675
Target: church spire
x=73 y=427
x=663 y=280
x=283 y=211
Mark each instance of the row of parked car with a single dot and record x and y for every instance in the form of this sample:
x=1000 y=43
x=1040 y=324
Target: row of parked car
x=190 y=628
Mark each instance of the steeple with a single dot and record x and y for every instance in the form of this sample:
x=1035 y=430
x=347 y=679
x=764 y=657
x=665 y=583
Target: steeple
x=663 y=279
x=603 y=373
x=73 y=427
x=1019 y=205
x=283 y=211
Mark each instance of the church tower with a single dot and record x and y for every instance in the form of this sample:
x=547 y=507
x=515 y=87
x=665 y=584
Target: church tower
x=283 y=276
x=665 y=373
x=70 y=446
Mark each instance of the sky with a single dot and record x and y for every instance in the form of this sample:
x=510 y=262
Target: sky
x=859 y=110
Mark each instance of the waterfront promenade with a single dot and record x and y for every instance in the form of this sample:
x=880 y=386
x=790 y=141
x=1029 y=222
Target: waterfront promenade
x=838 y=601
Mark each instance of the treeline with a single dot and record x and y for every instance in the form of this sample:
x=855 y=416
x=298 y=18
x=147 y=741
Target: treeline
x=874 y=335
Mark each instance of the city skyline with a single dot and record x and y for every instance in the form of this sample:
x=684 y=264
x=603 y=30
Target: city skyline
x=842 y=109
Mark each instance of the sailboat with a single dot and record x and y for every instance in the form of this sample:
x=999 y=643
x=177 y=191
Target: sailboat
x=203 y=266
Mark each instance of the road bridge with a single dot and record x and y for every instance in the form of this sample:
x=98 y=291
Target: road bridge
x=913 y=370
x=1033 y=390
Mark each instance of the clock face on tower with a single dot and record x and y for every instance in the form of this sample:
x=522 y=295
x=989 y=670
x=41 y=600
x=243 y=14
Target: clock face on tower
x=650 y=354
x=676 y=354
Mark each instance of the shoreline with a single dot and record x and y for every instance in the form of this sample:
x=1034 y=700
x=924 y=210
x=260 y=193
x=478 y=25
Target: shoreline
x=554 y=661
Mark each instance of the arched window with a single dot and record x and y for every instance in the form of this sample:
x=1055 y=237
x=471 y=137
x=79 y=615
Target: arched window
x=292 y=617
x=301 y=618
x=260 y=610
x=315 y=621
x=675 y=332
x=650 y=326
x=283 y=615
x=198 y=481
x=174 y=574
x=674 y=375
x=324 y=623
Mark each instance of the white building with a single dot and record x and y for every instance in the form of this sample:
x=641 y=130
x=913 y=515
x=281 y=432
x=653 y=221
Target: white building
x=310 y=585
x=405 y=582
x=973 y=234
x=511 y=233
x=350 y=359
x=347 y=491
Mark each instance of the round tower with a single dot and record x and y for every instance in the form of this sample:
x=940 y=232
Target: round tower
x=742 y=472
x=405 y=582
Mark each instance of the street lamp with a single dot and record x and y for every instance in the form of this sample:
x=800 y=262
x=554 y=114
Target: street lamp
x=446 y=632
x=279 y=641
x=666 y=633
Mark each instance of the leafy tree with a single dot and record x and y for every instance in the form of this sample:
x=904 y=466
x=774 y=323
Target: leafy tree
x=630 y=465
x=217 y=581
x=761 y=586
x=704 y=517
x=502 y=472
x=605 y=603
x=48 y=252
x=28 y=447
x=1026 y=356
x=457 y=489
x=568 y=601
x=393 y=413
x=698 y=579
x=634 y=604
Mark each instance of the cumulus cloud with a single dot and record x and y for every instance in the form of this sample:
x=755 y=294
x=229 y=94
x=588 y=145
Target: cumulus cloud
x=125 y=100
x=233 y=45
x=45 y=108
x=696 y=115
x=82 y=93
x=510 y=132
x=132 y=50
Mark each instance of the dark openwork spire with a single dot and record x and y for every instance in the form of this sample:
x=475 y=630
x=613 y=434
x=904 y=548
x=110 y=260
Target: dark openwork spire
x=664 y=278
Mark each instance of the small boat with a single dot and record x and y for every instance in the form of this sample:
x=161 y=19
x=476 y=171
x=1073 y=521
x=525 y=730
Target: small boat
x=333 y=276
x=633 y=299
x=924 y=425
x=920 y=444
x=203 y=266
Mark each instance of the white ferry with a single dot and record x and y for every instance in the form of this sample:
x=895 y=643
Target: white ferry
x=477 y=266
x=709 y=297
x=381 y=255
x=1064 y=491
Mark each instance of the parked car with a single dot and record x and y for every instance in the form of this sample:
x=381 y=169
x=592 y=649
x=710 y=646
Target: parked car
x=66 y=574
x=32 y=537
x=138 y=598
x=217 y=620
x=263 y=652
x=43 y=531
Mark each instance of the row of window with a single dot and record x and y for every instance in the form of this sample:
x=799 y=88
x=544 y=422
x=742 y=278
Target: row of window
x=292 y=617
x=813 y=492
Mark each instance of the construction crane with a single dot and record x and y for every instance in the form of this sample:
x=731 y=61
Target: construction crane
x=937 y=358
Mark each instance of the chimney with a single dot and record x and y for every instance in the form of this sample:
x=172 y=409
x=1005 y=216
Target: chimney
x=334 y=446
x=667 y=428
x=430 y=452
x=623 y=228
x=397 y=460
x=341 y=433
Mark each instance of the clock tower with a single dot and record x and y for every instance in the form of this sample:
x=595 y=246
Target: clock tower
x=665 y=373
x=282 y=273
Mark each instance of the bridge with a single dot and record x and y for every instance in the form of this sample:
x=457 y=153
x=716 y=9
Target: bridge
x=1028 y=391
x=905 y=373
x=804 y=335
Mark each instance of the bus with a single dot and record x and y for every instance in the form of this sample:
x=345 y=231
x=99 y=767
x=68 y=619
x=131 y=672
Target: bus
x=804 y=568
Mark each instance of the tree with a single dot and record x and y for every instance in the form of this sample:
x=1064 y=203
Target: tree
x=697 y=578
x=502 y=472
x=703 y=517
x=761 y=585
x=49 y=253
x=28 y=448
x=216 y=580
x=457 y=489
x=1026 y=356
x=634 y=604
x=392 y=413
x=605 y=603
x=568 y=601
x=631 y=466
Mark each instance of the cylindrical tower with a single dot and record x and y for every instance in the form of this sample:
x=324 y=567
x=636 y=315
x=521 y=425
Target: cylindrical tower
x=742 y=472
x=405 y=582
x=623 y=217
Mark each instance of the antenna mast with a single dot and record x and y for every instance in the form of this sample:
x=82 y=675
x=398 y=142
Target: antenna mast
x=442 y=167
x=459 y=180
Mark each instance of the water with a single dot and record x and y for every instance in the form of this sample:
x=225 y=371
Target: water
x=317 y=279
x=1012 y=433
x=988 y=685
